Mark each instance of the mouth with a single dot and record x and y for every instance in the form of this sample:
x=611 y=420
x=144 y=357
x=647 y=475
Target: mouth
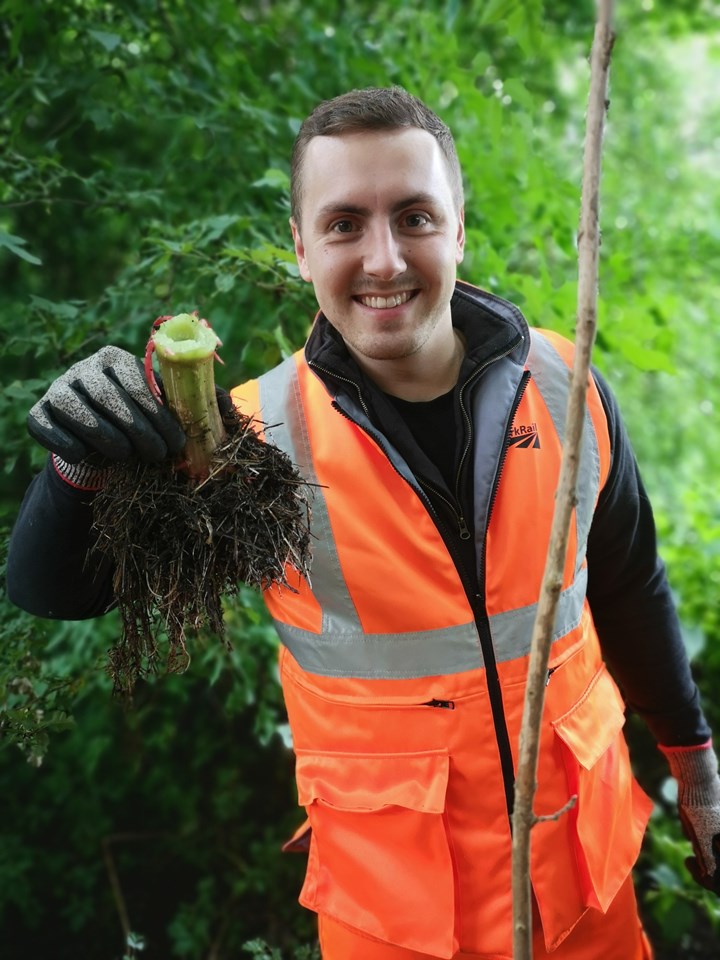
x=386 y=303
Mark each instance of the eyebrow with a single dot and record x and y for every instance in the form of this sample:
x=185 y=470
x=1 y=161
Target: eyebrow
x=337 y=207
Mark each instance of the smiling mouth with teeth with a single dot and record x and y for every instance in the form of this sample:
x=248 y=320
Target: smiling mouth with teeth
x=385 y=303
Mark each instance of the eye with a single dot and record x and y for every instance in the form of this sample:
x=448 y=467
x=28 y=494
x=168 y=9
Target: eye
x=342 y=226
x=416 y=220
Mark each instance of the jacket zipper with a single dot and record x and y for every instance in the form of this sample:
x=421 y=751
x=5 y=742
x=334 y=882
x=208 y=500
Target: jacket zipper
x=493 y=678
x=475 y=594
x=336 y=376
x=456 y=508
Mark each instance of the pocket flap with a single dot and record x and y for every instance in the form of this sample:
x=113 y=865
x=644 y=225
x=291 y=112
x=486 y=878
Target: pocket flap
x=299 y=842
x=593 y=723
x=371 y=781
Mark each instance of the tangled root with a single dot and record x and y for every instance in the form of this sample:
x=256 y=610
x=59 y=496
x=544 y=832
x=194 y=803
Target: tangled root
x=178 y=547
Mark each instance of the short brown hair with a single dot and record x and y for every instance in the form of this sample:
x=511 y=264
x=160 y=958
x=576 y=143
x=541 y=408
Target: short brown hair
x=374 y=108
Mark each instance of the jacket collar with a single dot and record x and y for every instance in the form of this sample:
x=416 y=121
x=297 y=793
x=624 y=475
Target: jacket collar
x=490 y=326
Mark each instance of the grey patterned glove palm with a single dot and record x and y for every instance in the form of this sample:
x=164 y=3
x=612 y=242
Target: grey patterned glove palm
x=102 y=407
x=696 y=772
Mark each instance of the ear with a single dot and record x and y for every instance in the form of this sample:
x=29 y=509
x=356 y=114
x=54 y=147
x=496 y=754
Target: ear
x=460 y=251
x=300 y=252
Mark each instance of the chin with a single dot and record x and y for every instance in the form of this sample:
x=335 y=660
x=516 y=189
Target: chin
x=385 y=351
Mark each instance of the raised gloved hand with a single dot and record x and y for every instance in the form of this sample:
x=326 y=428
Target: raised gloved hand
x=696 y=772
x=103 y=406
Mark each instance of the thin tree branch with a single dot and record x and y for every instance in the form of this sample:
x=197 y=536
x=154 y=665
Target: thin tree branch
x=588 y=255
x=16 y=204
x=116 y=887
x=114 y=878
x=556 y=816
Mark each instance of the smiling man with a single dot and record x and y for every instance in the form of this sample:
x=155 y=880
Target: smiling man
x=404 y=660
x=379 y=232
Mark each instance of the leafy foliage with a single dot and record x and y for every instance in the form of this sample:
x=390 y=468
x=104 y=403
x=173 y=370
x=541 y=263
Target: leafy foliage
x=681 y=914
x=144 y=157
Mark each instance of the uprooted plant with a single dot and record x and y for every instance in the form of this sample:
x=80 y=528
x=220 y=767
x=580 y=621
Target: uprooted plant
x=232 y=510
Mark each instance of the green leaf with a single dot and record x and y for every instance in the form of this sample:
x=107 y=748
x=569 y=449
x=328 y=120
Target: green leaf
x=214 y=227
x=291 y=269
x=40 y=96
x=280 y=253
x=521 y=26
x=224 y=282
x=108 y=40
x=520 y=94
x=677 y=919
x=273 y=178
x=286 y=348
x=135 y=941
x=646 y=358
x=15 y=245
x=495 y=10
x=452 y=8
x=100 y=118
x=65 y=310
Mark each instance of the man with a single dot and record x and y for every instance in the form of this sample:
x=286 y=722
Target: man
x=430 y=416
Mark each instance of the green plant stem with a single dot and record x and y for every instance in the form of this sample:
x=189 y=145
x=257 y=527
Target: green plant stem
x=185 y=349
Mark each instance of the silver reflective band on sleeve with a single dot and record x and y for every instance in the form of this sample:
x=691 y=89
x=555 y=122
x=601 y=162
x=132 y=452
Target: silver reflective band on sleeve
x=281 y=411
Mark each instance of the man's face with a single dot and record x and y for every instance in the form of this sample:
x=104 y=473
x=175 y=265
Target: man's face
x=380 y=239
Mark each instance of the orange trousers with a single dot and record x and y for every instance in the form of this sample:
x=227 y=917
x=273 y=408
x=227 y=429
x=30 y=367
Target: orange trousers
x=615 y=935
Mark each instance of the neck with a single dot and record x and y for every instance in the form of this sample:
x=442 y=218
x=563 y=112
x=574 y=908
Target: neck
x=421 y=376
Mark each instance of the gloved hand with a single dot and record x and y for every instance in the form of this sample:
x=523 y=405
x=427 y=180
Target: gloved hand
x=696 y=772
x=103 y=405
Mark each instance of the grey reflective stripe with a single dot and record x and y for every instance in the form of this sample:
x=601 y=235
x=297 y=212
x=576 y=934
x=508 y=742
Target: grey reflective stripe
x=512 y=630
x=428 y=653
x=278 y=401
x=281 y=411
x=385 y=656
x=552 y=376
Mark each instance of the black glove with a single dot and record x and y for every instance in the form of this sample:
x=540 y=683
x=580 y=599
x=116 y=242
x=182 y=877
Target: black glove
x=696 y=772
x=103 y=405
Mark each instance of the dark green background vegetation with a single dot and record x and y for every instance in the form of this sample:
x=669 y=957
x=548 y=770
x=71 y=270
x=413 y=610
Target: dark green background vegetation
x=144 y=154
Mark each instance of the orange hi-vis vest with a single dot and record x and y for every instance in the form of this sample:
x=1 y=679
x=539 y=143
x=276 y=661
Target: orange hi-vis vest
x=405 y=702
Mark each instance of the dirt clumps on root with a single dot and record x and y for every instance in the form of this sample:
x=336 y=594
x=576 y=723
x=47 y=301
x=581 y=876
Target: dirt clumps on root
x=179 y=546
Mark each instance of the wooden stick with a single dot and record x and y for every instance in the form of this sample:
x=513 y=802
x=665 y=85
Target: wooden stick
x=524 y=817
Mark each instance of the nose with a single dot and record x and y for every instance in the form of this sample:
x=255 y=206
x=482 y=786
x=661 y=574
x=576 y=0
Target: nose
x=383 y=257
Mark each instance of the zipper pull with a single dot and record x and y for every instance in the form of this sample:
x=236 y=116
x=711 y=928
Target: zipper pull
x=445 y=704
x=550 y=672
x=464 y=531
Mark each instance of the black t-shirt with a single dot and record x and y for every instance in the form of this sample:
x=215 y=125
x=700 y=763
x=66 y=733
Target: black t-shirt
x=432 y=424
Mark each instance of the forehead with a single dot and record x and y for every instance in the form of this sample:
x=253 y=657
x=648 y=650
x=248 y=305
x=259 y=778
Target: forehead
x=369 y=168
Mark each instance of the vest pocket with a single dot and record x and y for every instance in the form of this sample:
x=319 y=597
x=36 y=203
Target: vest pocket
x=611 y=810
x=379 y=856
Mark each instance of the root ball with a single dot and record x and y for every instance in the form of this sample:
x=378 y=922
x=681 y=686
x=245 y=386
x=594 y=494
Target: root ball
x=179 y=546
